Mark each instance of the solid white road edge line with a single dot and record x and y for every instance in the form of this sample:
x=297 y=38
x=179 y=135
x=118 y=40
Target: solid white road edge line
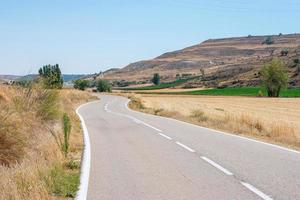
x=256 y=191
x=216 y=165
x=186 y=147
x=86 y=159
x=165 y=136
x=216 y=131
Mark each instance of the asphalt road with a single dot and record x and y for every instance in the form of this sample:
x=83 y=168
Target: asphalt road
x=136 y=156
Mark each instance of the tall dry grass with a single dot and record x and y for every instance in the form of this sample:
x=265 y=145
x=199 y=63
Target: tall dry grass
x=28 y=151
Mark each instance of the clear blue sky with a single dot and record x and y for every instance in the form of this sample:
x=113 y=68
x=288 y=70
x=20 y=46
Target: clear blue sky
x=91 y=35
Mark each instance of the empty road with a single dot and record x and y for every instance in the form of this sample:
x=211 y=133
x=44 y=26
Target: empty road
x=136 y=156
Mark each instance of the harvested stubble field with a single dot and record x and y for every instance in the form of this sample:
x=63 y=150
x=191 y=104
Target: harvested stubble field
x=32 y=165
x=271 y=119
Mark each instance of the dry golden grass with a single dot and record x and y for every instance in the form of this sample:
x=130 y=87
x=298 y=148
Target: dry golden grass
x=275 y=120
x=29 y=150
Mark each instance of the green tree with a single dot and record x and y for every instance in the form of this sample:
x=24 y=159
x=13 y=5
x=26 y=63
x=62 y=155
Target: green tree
x=52 y=76
x=274 y=77
x=156 y=79
x=103 y=86
x=81 y=84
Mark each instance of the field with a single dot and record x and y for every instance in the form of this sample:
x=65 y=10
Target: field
x=243 y=91
x=32 y=165
x=271 y=119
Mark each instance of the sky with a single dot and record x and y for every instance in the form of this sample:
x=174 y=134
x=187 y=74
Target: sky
x=90 y=36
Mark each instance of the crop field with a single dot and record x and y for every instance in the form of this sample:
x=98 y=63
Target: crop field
x=244 y=91
x=272 y=119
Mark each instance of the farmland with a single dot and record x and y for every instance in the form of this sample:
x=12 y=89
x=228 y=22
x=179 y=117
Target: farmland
x=271 y=119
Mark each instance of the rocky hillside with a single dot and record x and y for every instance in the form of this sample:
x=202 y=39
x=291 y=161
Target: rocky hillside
x=229 y=61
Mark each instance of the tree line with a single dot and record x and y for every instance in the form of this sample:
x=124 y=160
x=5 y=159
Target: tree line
x=101 y=85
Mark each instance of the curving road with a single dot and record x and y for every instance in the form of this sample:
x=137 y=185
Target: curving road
x=136 y=156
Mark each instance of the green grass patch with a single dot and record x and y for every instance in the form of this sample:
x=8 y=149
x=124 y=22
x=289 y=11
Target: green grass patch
x=242 y=91
x=63 y=182
x=162 y=85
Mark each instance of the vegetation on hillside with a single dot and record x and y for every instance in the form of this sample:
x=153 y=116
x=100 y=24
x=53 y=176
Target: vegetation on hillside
x=163 y=85
x=156 y=79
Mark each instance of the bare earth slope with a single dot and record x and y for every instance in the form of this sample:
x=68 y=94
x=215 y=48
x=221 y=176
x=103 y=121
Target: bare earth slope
x=231 y=61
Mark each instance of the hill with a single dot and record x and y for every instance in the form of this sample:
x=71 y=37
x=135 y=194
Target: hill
x=9 y=77
x=66 y=77
x=225 y=62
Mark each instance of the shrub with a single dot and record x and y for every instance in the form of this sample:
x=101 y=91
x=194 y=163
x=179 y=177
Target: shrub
x=63 y=183
x=199 y=115
x=66 y=130
x=36 y=99
x=202 y=73
x=298 y=70
x=260 y=93
x=73 y=165
x=52 y=77
x=296 y=61
x=81 y=84
x=48 y=104
x=136 y=103
x=156 y=79
x=269 y=40
x=103 y=86
x=158 y=111
x=284 y=52
x=11 y=143
x=274 y=77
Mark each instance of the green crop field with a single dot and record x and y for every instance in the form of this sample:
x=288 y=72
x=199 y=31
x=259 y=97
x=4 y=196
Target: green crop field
x=243 y=91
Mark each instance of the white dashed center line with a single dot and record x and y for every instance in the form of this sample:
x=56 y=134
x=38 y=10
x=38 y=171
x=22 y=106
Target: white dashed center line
x=216 y=165
x=256 y=191
x=165 y=136
x=186 y=147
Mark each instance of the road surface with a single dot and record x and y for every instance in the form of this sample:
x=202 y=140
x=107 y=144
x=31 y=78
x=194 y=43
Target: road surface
x=136 y=156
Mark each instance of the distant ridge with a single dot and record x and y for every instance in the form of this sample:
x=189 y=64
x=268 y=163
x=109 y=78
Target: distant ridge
x=66 y=77
x=232 y=61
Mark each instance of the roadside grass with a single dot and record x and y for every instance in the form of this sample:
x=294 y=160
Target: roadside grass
x=28 y=152
x=162 y=85
x=238 y=123
x=63 y=182
x=239 y=91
